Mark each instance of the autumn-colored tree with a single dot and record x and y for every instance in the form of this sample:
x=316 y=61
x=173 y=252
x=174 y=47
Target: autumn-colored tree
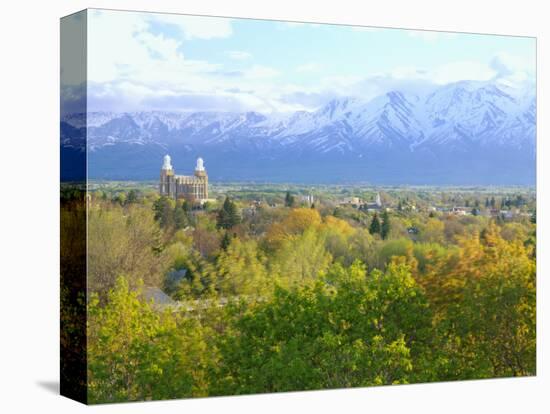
x=337 y=237
x=301 y=259
x=241 y=270
x=123 y=242
x=206 y=237
x=433 y=231
x=298 y=298
x=484 y=297
x=295 y=223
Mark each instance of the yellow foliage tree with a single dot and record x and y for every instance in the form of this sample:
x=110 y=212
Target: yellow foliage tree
x=301 y=259
x=242 y=271
x=298 y=221
x=484 y=295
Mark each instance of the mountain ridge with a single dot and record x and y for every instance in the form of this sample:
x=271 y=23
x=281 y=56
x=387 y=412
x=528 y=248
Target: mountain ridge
x=466 y=129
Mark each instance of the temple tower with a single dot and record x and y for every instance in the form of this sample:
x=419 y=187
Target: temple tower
x=191 y=187
x=167 y=181
x=200 y=173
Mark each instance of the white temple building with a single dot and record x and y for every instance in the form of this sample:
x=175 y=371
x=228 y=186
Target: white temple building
x=190 y=187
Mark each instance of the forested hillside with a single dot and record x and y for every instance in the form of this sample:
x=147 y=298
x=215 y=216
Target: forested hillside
x=283 y=296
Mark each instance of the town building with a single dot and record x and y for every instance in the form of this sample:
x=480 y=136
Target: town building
x=376 y=206
x=459 y=211
x=355 y=202
x=190 y=187
x=307 y=199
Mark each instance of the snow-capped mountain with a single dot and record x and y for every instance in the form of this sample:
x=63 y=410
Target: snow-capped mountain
x=462 y=133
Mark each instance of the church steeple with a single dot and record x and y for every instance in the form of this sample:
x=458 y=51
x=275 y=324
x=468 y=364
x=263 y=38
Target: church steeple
x=167 y=165
x=200 y=171
x=200 y=164
x=167 y=182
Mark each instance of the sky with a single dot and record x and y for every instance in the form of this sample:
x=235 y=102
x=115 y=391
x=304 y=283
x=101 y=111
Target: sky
x=145 y=61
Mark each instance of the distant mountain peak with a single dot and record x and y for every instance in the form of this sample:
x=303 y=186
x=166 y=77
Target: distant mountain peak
x=476 y=119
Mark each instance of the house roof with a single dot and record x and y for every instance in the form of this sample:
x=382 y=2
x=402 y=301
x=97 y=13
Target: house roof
x=157 y=296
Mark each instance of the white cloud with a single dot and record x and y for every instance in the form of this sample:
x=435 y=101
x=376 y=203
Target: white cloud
x=446 y=73
x=197 y=27
x=412 y=79
x=135 y=66
x=508 y=65
x=112 y=47
x=409 y=72
x=238 y=55
x=308 y=67
x=464 y=70
x=122 y=47
x=261 y=72
x=159 y=45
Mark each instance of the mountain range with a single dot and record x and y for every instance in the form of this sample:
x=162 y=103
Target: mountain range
x=464 y=133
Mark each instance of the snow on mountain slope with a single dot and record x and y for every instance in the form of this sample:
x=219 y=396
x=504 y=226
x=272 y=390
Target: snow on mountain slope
x=469 y=112
x=454 y=115
x=464 y=122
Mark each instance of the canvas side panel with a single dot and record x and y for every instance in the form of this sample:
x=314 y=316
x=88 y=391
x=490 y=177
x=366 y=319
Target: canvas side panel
x=73 y=98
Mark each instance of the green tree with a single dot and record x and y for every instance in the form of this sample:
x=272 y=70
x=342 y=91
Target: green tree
x=164 y=212
x=374 y=227
x=132 y=197
x=385 y=227
x=301 y=258
x=226 y=241
x=241 y=270
x=181 y=218
x=289 y=199
x=136 y=352
x=389 y=249
x=123 y=241
x=228 y=215
x=200 y=277
x=120 y=198
x=357 y=330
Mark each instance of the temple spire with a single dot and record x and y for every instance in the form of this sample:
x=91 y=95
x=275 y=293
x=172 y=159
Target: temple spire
x=167 y=165
x=200 y=164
